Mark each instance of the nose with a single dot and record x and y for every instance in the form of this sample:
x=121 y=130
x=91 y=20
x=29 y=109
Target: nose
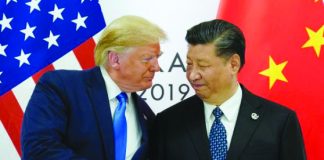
x=155 y=67
x=193 y=75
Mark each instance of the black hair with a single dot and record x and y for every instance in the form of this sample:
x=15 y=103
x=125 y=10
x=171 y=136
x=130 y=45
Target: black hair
x=227 y=38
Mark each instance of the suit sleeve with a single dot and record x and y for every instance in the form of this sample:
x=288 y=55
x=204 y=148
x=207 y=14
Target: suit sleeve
x=292 y=145
x=45 y=122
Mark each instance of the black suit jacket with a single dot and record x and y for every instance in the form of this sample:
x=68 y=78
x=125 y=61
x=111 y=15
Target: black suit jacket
x=276 y=135
x=68 y=117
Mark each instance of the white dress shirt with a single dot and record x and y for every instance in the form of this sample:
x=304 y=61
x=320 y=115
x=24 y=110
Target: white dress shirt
x=230 y=109
x=134 y=132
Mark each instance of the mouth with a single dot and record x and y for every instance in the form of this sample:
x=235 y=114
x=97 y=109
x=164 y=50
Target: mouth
x=196 y=86
x=149 y=78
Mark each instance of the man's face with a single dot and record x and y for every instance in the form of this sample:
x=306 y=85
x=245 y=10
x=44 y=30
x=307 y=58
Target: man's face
x=138 y=66
x=210 y=76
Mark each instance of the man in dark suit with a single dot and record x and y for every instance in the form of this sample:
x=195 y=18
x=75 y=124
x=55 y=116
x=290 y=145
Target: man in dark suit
x=224 y=120
x=73 y=114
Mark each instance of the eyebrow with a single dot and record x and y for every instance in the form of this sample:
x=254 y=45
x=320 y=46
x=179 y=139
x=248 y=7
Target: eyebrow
x=150 y=54
x=198 y=59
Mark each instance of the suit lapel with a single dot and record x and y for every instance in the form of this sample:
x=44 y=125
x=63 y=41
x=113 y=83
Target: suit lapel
x=99 y=98
x=245 y=124
x=196 y=127
x=144 y=115
x=141 y=116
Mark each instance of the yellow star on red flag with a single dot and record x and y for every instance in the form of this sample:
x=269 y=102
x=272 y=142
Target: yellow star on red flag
x=291 y=41
x=316 y=39
x=274 y=72
x=318 y=1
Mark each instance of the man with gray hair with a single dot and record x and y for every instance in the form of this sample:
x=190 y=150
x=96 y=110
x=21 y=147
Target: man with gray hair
x=96 y=114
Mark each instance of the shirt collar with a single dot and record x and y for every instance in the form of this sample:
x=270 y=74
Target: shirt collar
x=113 y=90
x=229 y=108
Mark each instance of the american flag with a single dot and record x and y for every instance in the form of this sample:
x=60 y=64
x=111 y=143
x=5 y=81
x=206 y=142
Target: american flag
x=34 y=34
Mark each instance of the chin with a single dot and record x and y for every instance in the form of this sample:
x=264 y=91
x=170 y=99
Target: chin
x=147 y=86
x=200 y=95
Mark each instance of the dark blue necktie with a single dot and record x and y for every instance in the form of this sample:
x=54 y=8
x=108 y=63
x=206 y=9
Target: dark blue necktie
x=217 y=137
x=120 y=127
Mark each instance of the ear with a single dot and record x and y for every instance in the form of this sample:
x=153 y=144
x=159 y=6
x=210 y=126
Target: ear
x=113 y=59
x=235 y=63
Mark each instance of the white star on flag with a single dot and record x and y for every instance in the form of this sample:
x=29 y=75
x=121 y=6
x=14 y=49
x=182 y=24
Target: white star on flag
x=28 y=31
x=8 y=1
x=33 y=4
x=0 y=75
x=23 y=58
x=5 y=22
x=51 y=39
x=84 y=0
x=57 y=13
x=80 y=21
x=37 y=36
x=2 y=49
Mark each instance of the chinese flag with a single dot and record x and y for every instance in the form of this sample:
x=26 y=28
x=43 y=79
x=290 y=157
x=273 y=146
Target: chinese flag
x=285 y=58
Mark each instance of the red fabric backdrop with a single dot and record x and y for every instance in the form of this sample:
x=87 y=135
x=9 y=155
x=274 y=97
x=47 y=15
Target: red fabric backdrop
x=285 y=58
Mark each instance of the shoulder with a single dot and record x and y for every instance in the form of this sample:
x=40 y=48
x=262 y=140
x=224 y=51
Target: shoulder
x=269 y=107
x=272 y=106
x=69 y=77
x=182 y=107
x=69 y=74
x=64 y=81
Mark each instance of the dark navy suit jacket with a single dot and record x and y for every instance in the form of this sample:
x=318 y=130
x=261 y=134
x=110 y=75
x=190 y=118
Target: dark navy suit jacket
x=68 y=117
x=275 y=135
